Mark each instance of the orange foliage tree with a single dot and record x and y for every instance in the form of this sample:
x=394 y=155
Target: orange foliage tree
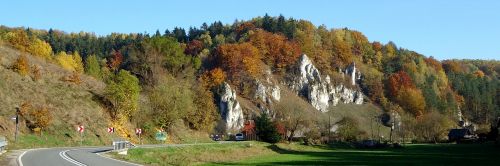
x=239 y=59
x=452 y=67
x=399 y=81
x=276 y=50
x=116 y=60
x=434 y=63
x=403 y=90
x=213 y=78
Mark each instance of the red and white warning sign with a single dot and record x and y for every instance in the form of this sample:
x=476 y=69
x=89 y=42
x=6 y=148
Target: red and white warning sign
x=80 y=128
x=111 y=129
x=138 y=131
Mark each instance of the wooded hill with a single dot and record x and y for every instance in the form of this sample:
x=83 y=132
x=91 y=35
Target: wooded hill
x=158 y=79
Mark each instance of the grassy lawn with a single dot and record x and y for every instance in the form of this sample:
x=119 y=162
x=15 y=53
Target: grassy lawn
x=422 y=154
x=256 y=153
x=196 y=154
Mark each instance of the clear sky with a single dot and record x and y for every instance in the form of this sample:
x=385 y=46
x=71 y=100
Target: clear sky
x=444 y=29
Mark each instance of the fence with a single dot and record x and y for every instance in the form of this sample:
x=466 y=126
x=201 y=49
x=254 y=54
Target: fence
x=3 y=143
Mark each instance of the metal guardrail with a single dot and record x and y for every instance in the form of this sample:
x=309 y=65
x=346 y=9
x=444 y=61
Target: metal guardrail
x=120 y=145
x=3 y=143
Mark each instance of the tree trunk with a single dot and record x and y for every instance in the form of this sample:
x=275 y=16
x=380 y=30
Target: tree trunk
x=291 y=135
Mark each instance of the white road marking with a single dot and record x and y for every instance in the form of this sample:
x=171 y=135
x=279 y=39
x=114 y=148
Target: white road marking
x=19 y=161
x=71 y=160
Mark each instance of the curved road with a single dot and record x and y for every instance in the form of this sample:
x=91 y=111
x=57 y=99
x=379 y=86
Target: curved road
x=69 y=157
x=82 y=156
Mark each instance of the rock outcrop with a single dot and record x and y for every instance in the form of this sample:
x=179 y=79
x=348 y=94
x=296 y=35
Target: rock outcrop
x=229 y=108
x=266 y=93
x=320 y=92
x=353 y=72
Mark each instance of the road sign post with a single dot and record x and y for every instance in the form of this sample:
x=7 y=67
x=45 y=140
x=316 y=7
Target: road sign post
x=17 y=124
x=160 y=136
x=80 y=129
x=138 y=131
x=111 y=129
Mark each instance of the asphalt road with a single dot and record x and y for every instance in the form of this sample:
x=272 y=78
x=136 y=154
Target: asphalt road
x=82 y=156
x=69 y=157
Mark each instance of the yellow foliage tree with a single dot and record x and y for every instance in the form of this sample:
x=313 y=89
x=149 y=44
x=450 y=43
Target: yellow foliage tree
x=18 y=39
x=77 y=59
x=412 y=101
x=65 y=60
x=70 y=62
x=40 y=48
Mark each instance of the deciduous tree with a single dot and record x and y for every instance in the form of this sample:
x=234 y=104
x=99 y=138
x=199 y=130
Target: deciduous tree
x=122 y=91
x=92 y=67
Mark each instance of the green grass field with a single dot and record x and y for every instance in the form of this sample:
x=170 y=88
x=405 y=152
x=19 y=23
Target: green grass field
x=422 y=154
x=256 y=153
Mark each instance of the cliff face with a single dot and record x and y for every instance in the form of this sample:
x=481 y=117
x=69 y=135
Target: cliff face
x=319 y=90
x=306 y=82
x=229 y=108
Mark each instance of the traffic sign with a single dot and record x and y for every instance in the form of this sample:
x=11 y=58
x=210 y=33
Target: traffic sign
x=80 y=128
x=160 y=136
x=138 y=131
x=111 y=129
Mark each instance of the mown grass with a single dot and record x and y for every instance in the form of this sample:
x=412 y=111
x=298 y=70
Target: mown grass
x=196 y=154
x=422 y=154
x=256 y=153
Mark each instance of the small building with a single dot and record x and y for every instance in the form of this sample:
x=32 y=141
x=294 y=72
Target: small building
x=460 y=135
x=249 y=131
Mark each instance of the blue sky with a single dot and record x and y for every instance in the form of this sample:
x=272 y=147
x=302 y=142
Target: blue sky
x=444 y=29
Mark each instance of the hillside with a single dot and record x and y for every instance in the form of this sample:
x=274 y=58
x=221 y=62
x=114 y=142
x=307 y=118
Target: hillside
x=68 y=103
x=217 y=78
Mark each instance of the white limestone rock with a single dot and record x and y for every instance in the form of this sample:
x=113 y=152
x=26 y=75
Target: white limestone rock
x=276 y=92
x=354 y=73
x=266 y=93
x=230 y=108
x=320 y=92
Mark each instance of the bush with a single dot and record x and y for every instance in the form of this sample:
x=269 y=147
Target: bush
x=22 y=65
x=37 y=73
x=348 y=129
x=37 y=118
x=266 y=129
x=73 y=78
x=432 y=127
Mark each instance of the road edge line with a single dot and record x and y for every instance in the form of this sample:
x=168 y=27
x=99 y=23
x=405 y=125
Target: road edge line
x=19 y=160
x=99 y=154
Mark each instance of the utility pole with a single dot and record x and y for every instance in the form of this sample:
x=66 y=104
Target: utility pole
x=329 y=128
x=371 y=126
x=17 y=124
x=378 y=128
